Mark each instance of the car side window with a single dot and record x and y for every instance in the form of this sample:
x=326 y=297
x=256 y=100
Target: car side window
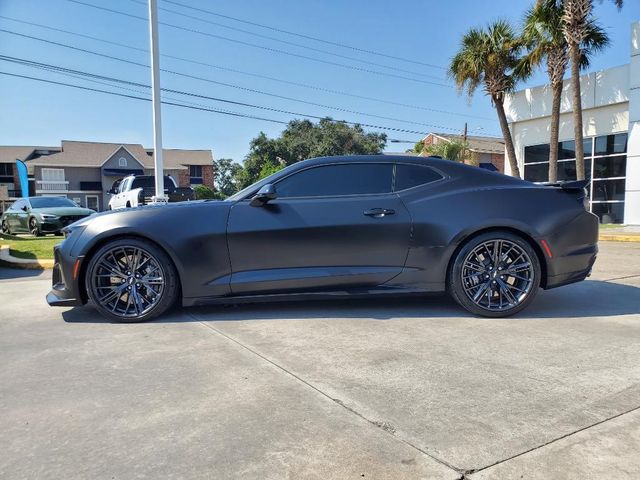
x=409 y=176
x=18 y=205
x=338 y=180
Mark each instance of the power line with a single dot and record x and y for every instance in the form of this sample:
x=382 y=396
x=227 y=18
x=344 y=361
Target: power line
x=286 y=42
x=262 y=47
x=243 y=72
x=308 y=37
x=195 y=77
x=80 y=87
x=379 y=127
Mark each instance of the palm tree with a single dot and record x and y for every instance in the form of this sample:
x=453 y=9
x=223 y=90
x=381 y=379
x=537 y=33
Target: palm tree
x=576 y=17
x=489 y=57
x=456 y=150
x=543 y=35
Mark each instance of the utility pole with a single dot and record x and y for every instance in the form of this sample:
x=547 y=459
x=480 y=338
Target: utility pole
x=464 y=135
x=155 y=97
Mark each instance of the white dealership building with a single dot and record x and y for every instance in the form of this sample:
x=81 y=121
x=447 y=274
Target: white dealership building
x=611 y=126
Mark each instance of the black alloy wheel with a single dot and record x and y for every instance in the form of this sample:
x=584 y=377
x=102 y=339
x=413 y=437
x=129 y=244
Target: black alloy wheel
x=34 y=228
x=131 y=280
x=495 y=275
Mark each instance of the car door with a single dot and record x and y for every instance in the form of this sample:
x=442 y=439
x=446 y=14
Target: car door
x=10 y=216
x=331 y=227
x=19 y=216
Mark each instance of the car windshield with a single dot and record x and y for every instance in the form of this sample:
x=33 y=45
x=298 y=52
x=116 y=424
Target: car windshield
x=51 y=202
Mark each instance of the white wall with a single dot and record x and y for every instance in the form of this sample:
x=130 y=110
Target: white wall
x=632 y=194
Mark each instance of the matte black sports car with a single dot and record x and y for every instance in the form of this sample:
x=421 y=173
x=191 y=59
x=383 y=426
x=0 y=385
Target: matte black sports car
x=336 y=226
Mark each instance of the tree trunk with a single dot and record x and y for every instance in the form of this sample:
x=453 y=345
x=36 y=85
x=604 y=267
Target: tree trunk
x=574 y=53
x=506 y=133
x=554 y=131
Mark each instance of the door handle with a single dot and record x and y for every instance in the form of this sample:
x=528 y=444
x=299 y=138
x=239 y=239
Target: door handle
x=379 y=212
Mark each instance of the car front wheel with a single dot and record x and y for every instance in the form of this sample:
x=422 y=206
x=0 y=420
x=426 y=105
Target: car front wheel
x=496 y=274
x=34 y=228
x=5 y=228
x=131 y=280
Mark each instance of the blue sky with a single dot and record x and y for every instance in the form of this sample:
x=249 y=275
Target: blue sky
x=424 y=31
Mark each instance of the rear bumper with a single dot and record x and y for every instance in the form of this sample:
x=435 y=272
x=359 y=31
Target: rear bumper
x=574 y=248
x=64 y=290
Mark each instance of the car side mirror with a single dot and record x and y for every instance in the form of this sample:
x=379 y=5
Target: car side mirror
x=264 y=195
x=25 y=208
x=111 y=192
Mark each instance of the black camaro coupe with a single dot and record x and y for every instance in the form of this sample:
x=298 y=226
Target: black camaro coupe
x=334 y=227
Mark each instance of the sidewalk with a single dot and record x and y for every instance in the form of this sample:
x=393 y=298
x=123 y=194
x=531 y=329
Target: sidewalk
x=622 y=233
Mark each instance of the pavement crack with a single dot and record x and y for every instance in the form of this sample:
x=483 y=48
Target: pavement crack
x=385 y=426
x=620 y=278
x=561 y=437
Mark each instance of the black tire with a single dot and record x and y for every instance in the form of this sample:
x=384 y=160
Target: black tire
x=501 y=282
x=58 y=234
x=5 y=228
x=128 y=205
x=161 y=262
x=34 y=228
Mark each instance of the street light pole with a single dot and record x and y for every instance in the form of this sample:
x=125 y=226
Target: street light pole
x=155 y=96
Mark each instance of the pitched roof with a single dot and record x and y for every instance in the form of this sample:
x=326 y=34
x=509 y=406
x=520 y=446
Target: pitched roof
x=476 y=143
x=9 y=154
x=94 y=154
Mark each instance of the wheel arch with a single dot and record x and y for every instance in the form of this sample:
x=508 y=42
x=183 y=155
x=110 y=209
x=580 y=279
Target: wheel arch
x=515 y=231
x=82 y=289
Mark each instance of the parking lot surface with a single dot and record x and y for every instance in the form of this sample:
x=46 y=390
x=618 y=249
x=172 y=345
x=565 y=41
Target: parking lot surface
x=393 y=389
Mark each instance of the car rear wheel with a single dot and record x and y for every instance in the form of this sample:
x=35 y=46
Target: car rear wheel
x=131 y=280
x=34 y=228
x=5 y=228
x=496 y=274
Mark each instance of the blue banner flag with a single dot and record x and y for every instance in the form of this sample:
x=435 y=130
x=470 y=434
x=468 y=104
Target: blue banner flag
x=23 y=175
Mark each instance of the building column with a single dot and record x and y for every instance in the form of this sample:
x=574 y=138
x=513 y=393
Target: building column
x=632 y=189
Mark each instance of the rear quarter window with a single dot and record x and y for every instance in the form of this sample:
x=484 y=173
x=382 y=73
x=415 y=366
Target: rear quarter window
x=409 y=176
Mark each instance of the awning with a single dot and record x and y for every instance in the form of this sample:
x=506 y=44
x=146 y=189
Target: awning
x=120 y=172
x=488 y=166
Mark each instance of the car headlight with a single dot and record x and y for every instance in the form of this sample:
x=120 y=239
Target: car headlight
x=48 y=216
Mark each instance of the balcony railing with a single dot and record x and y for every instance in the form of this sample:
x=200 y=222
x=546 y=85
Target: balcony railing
x=52 y=186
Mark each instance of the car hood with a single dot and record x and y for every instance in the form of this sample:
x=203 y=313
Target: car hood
x=63 y=211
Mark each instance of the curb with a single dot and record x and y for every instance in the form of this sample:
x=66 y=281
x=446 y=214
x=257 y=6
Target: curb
x=618 y=238
x=7 y=259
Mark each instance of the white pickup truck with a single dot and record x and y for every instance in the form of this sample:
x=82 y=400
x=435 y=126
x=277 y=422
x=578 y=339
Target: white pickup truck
x=136 y=190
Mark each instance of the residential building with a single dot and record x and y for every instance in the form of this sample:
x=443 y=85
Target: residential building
x=489 y=151
x=85 y=171
x=611 y=129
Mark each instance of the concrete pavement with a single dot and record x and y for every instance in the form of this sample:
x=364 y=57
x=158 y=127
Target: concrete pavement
x=367 y=389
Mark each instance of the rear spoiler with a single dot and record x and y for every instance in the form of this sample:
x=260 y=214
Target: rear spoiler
x=570 y=186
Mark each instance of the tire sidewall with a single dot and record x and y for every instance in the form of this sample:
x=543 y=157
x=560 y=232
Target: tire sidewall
x=454 y=281
x=171 y=290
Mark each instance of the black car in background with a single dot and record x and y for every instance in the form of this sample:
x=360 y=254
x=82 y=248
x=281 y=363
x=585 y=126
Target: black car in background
x=41 y=215
x=331 y=228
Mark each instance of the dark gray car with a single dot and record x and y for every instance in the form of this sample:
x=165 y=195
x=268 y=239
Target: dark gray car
x=336 y=226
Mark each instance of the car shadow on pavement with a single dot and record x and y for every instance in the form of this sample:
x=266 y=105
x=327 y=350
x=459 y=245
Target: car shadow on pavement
x=591 y=298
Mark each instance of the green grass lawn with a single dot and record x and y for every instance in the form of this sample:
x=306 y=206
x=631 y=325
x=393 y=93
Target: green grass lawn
x=26 y=246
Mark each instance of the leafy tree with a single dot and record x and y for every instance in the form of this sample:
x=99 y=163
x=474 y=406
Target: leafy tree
x=226 y=176
x=489 y=58
x=304 y=139
x=577 y=16
x=203 y=193
x=543 y=35
x=456 y=150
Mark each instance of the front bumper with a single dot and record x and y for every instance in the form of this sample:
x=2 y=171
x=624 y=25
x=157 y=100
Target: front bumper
x=65 y=290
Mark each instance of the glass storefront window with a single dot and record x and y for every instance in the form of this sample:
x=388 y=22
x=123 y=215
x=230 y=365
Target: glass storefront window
x=607 y=190
x=608 y=167
x=609 y=212
x=607 y=170
x=611 y=144
x=536 y=153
